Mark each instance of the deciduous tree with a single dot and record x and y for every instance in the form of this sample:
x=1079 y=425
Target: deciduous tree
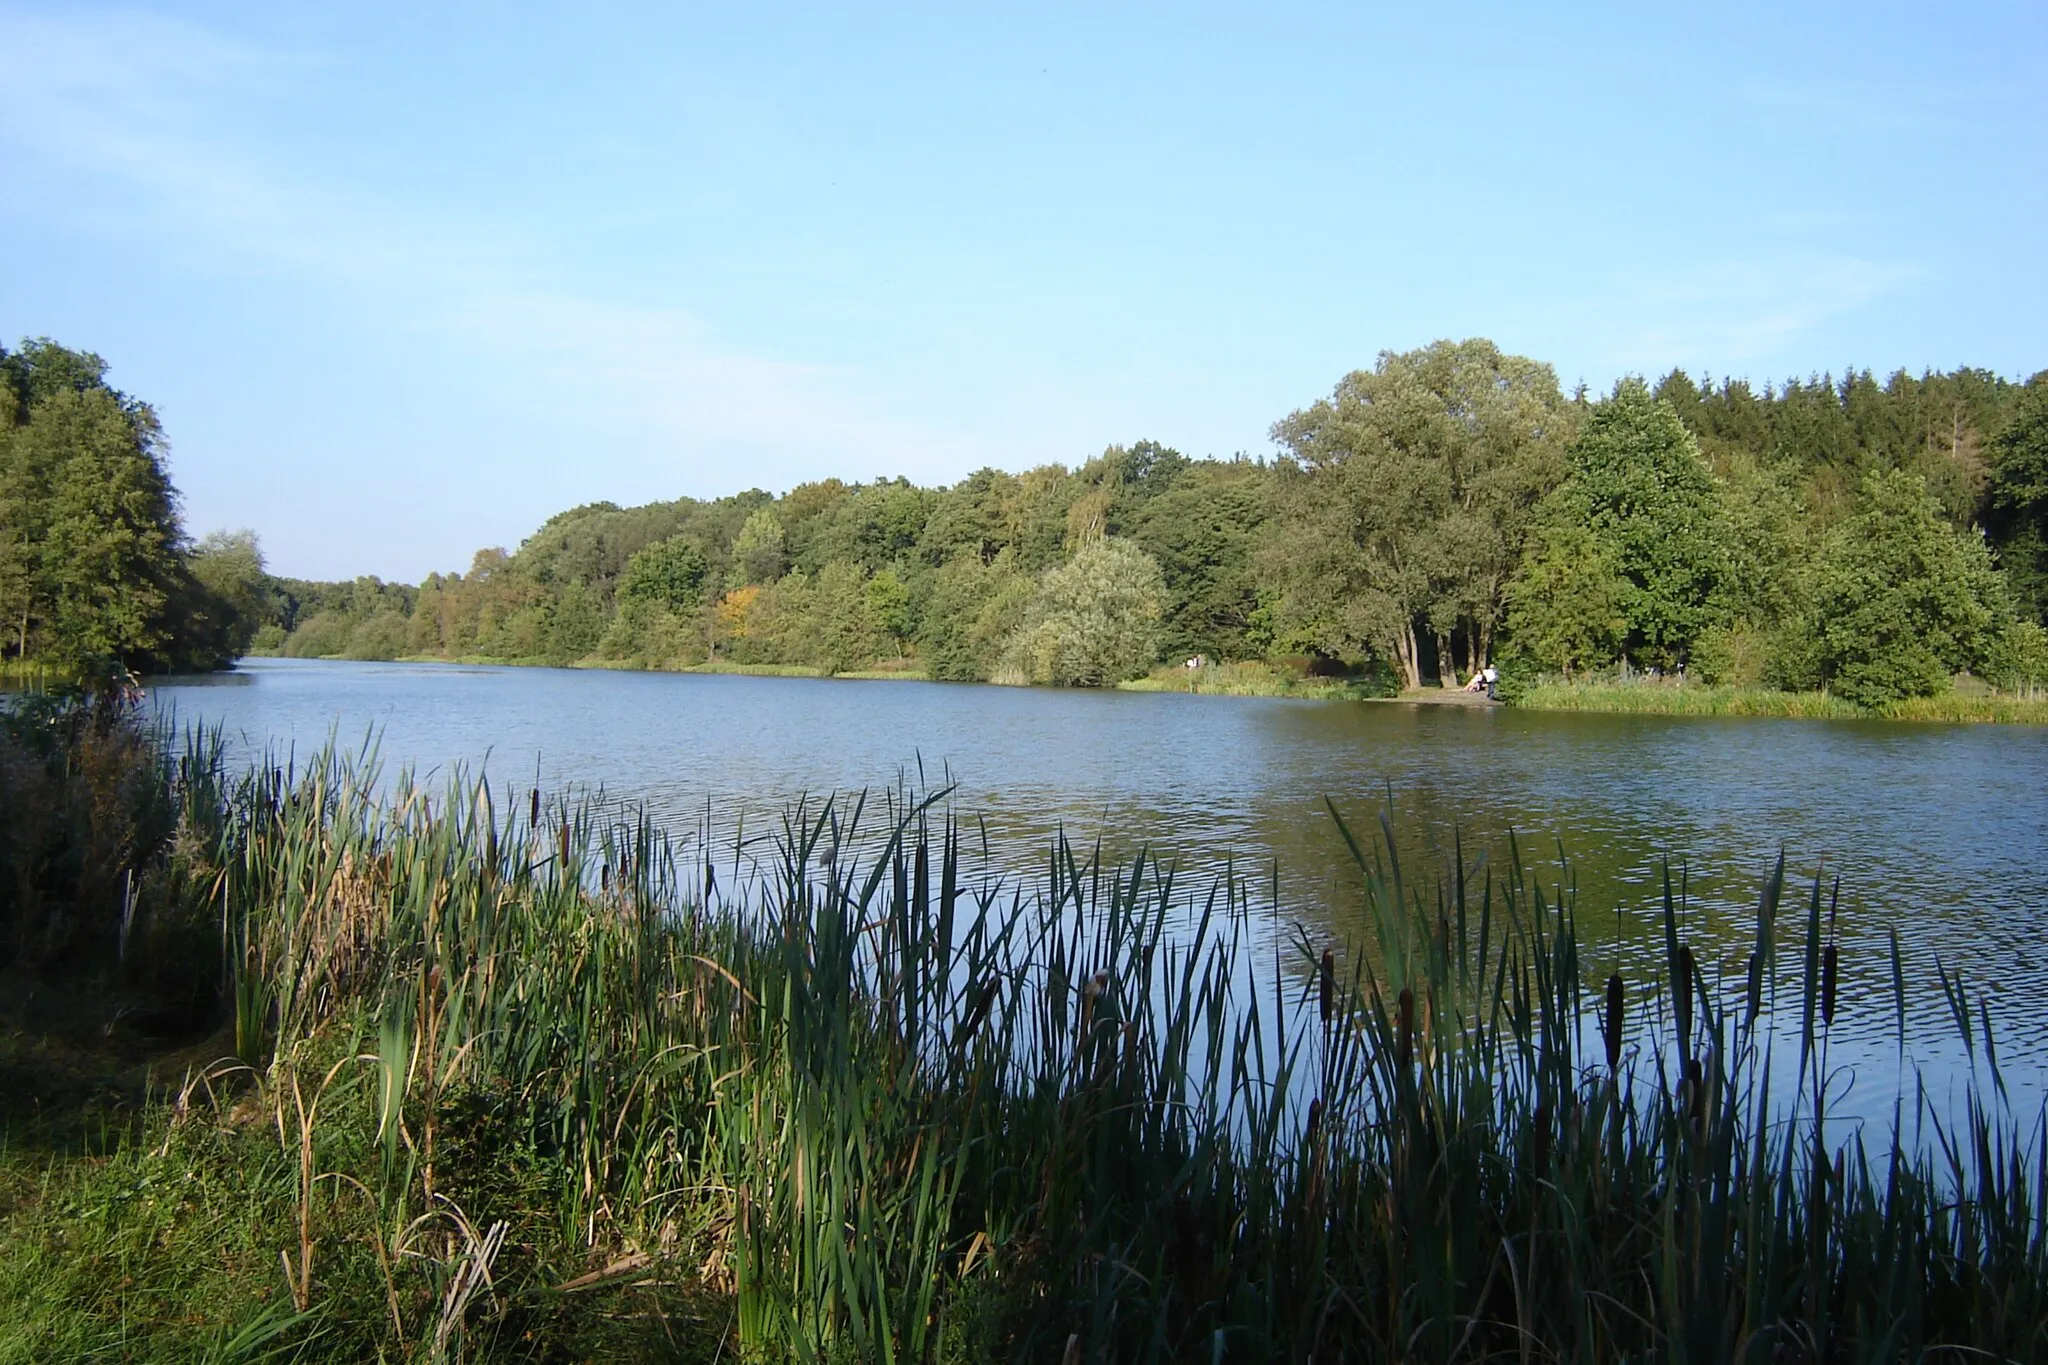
x=1410 y=492
x=1638 y=482
x=1095 y=620
x=1903 y=599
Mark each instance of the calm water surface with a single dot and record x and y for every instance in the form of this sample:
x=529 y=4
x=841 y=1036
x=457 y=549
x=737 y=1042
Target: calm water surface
x=1937 y=832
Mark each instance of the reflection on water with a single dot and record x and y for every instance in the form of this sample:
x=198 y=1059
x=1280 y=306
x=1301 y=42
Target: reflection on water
x=1937 y=832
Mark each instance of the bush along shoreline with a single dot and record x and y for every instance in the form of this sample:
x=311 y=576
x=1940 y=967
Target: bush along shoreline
x=485 y=1076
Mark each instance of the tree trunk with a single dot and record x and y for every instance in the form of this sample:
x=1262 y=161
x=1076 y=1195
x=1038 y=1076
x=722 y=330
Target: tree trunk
x=1482 y=644
x=1446 y=669
x=1409 y=653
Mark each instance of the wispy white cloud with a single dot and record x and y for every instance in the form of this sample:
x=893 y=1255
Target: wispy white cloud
x=1730 y=312
x=159 y=111
x=679 y=382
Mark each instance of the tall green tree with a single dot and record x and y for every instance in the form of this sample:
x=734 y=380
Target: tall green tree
x=233 y=598
x=90 y=542
x=1410 y=491
x=1203 y=528
x=2018 y=519
x=888 y=607
x=1095 y=620
x=758 y=552
x=1566 y=604
x=969 y=613
x=1903 y=599
x=839 y=632
x=1638 y=482
x=669 y=573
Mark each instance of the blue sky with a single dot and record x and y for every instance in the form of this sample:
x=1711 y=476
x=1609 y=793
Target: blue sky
x=402 y=284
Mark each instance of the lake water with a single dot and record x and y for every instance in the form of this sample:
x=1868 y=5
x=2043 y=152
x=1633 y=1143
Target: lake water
x=1937 y=832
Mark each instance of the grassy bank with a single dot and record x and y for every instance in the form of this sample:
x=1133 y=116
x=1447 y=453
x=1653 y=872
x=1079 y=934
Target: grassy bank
x=15 y=675
x=484 y=1076
x=1996 y=710
x=1254 y=678
x=1700 y=699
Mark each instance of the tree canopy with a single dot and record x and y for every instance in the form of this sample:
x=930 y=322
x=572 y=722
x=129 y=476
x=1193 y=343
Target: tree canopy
x=1448 y=505
x=1444 y=506
x=1637 y=484
x=1407 y=499
x=95 y=570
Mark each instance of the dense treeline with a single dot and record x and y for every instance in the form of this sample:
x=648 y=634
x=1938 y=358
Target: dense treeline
x=1448 y=507
x=96 y=572
x=1074 y=577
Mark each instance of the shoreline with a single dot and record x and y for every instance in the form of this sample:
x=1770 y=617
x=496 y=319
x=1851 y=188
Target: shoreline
x=1264 y=680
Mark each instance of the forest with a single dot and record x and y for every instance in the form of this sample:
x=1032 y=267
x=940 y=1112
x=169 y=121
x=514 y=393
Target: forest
x=1448 y=508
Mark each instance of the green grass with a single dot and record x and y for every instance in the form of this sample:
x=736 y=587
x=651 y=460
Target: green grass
x=1700 y=699
x=1688 y=699
x=16 y=675
x=1252 y=679
x=882 y=670
x=508 y=1078
x=1994 y=709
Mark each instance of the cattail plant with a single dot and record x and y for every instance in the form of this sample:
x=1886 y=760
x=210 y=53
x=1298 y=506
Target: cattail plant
x=888 y=1105
x=1828 y=976
x=1611 y=1023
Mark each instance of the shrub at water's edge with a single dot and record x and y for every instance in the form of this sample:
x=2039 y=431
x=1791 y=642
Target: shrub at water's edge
x=509 y=1079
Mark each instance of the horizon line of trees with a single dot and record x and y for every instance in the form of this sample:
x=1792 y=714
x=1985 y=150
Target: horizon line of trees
x=1447 y=508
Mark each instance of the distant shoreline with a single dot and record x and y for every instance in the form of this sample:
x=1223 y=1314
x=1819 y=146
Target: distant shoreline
x=1265 y=680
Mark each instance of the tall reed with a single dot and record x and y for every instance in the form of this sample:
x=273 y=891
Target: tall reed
x=890 y=1107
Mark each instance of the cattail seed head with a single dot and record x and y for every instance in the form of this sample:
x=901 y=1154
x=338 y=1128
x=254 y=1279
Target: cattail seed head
x=1827 y=985
x=1681 y=998
x=1315 y=1118
x=1326 y=982
x=565 y=841
x=983 y=1003
x=1090 y=993
x=533 y=808
x=1407 y=1026
x=1616 y=1002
